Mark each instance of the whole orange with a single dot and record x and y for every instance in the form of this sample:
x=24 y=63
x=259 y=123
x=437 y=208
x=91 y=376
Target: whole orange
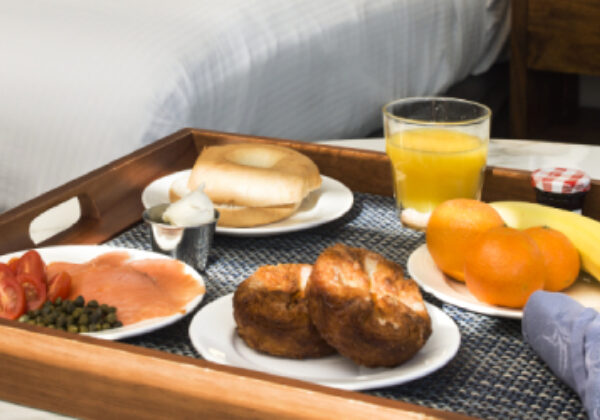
x=504 y=267
x=453 y=225
x=560 y=257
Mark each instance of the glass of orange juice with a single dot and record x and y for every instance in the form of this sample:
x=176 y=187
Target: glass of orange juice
x=438 y=151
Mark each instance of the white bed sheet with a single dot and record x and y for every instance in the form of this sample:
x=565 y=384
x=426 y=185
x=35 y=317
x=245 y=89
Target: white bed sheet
x=83 y=83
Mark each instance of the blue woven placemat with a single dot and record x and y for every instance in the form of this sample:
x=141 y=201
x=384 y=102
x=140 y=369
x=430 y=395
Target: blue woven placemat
x=494 y=375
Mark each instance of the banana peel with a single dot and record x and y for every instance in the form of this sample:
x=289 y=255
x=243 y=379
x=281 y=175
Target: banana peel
x=583 y=231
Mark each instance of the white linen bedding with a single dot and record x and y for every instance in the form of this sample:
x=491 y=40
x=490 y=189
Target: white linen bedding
x=85 y=82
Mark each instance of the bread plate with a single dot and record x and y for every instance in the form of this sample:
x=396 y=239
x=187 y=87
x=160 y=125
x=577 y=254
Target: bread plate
x=213 y=334
x=84 y=253
x=425 y=272
x=324 y=205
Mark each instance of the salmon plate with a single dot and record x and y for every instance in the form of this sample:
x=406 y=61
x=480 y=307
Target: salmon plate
x=148 y=289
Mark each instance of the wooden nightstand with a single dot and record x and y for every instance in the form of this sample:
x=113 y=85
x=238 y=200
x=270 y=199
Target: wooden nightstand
x=552 y=42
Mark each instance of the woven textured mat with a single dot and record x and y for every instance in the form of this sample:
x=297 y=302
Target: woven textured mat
x=494 y=375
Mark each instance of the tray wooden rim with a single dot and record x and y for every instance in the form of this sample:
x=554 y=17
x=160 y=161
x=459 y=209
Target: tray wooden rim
x=41 y=365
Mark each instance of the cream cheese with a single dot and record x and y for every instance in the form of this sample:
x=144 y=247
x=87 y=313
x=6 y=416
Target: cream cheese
x=193 y=209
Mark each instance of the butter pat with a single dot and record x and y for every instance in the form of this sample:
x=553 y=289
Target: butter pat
x=193 y=209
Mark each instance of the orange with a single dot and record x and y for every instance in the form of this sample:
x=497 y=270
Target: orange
x=560 y=256
x=504 y=267
x=453 y=225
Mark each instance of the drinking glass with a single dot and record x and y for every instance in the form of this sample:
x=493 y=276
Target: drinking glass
x=438 y=151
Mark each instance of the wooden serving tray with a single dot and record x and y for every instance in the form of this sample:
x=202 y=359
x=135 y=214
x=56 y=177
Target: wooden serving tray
x=86 y=377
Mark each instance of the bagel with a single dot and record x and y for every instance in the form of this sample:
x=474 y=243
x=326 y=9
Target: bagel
x=251 y=184
x=365 y=308
x=271 y=313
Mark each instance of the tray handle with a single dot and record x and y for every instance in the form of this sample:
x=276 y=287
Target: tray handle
x=109 y=197
x=93 y=204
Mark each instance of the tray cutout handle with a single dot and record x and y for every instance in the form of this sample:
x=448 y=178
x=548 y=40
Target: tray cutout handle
x=55 y=220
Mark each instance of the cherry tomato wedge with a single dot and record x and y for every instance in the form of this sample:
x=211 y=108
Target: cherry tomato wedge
x=5 y=270
x=14 y=261
x=31 y=263
x=35 y=290
x=12 y=298
x=59 y=286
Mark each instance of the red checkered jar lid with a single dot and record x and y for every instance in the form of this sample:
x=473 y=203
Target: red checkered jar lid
x=560 y=180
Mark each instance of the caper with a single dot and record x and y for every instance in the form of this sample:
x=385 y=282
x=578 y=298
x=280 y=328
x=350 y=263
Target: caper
x=96 y=316
x=93 y=303
x=61 y=320
x=111 y=318
x=77 y=312
x=79 y=301
x=83 y=320
x=58 y=301
x=106 y=326
x=73 y=328
x=24 y=318
x=69 y=307
x=83 y=328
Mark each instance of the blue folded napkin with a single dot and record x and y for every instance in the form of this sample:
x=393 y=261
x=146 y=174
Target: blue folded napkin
x=566 y=336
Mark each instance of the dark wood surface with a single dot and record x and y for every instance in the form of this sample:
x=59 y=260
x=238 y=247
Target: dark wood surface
x=552 y=42
x=564 y=36
x=90 y=378
x=518 y=70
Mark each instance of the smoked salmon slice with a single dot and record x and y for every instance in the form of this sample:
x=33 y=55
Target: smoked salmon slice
x=139 y=289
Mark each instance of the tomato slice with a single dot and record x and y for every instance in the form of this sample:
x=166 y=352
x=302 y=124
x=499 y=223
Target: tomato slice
x=35 y=290
x=31 y=263
x=12 y=298
x=59 y=286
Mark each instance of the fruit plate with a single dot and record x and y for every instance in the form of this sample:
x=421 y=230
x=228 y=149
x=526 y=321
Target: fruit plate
x=324 y=205
x=213 y=335
x=425 y=272
x=84 y=253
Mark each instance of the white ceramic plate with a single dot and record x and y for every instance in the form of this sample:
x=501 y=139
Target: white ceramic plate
x=213 y=334
x=328 y=203
x=425 y=272
x=84 y=253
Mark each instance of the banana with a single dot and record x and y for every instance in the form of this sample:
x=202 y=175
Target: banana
x=583 y=231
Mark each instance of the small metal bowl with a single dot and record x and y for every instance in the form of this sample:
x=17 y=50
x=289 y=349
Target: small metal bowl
x=191 y=244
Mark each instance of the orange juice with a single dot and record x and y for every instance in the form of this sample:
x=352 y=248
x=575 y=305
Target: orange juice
x=432 y=165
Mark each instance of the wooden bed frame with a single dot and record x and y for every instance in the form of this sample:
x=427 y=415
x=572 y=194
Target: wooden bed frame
x=552 y=42
x=86 y=377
